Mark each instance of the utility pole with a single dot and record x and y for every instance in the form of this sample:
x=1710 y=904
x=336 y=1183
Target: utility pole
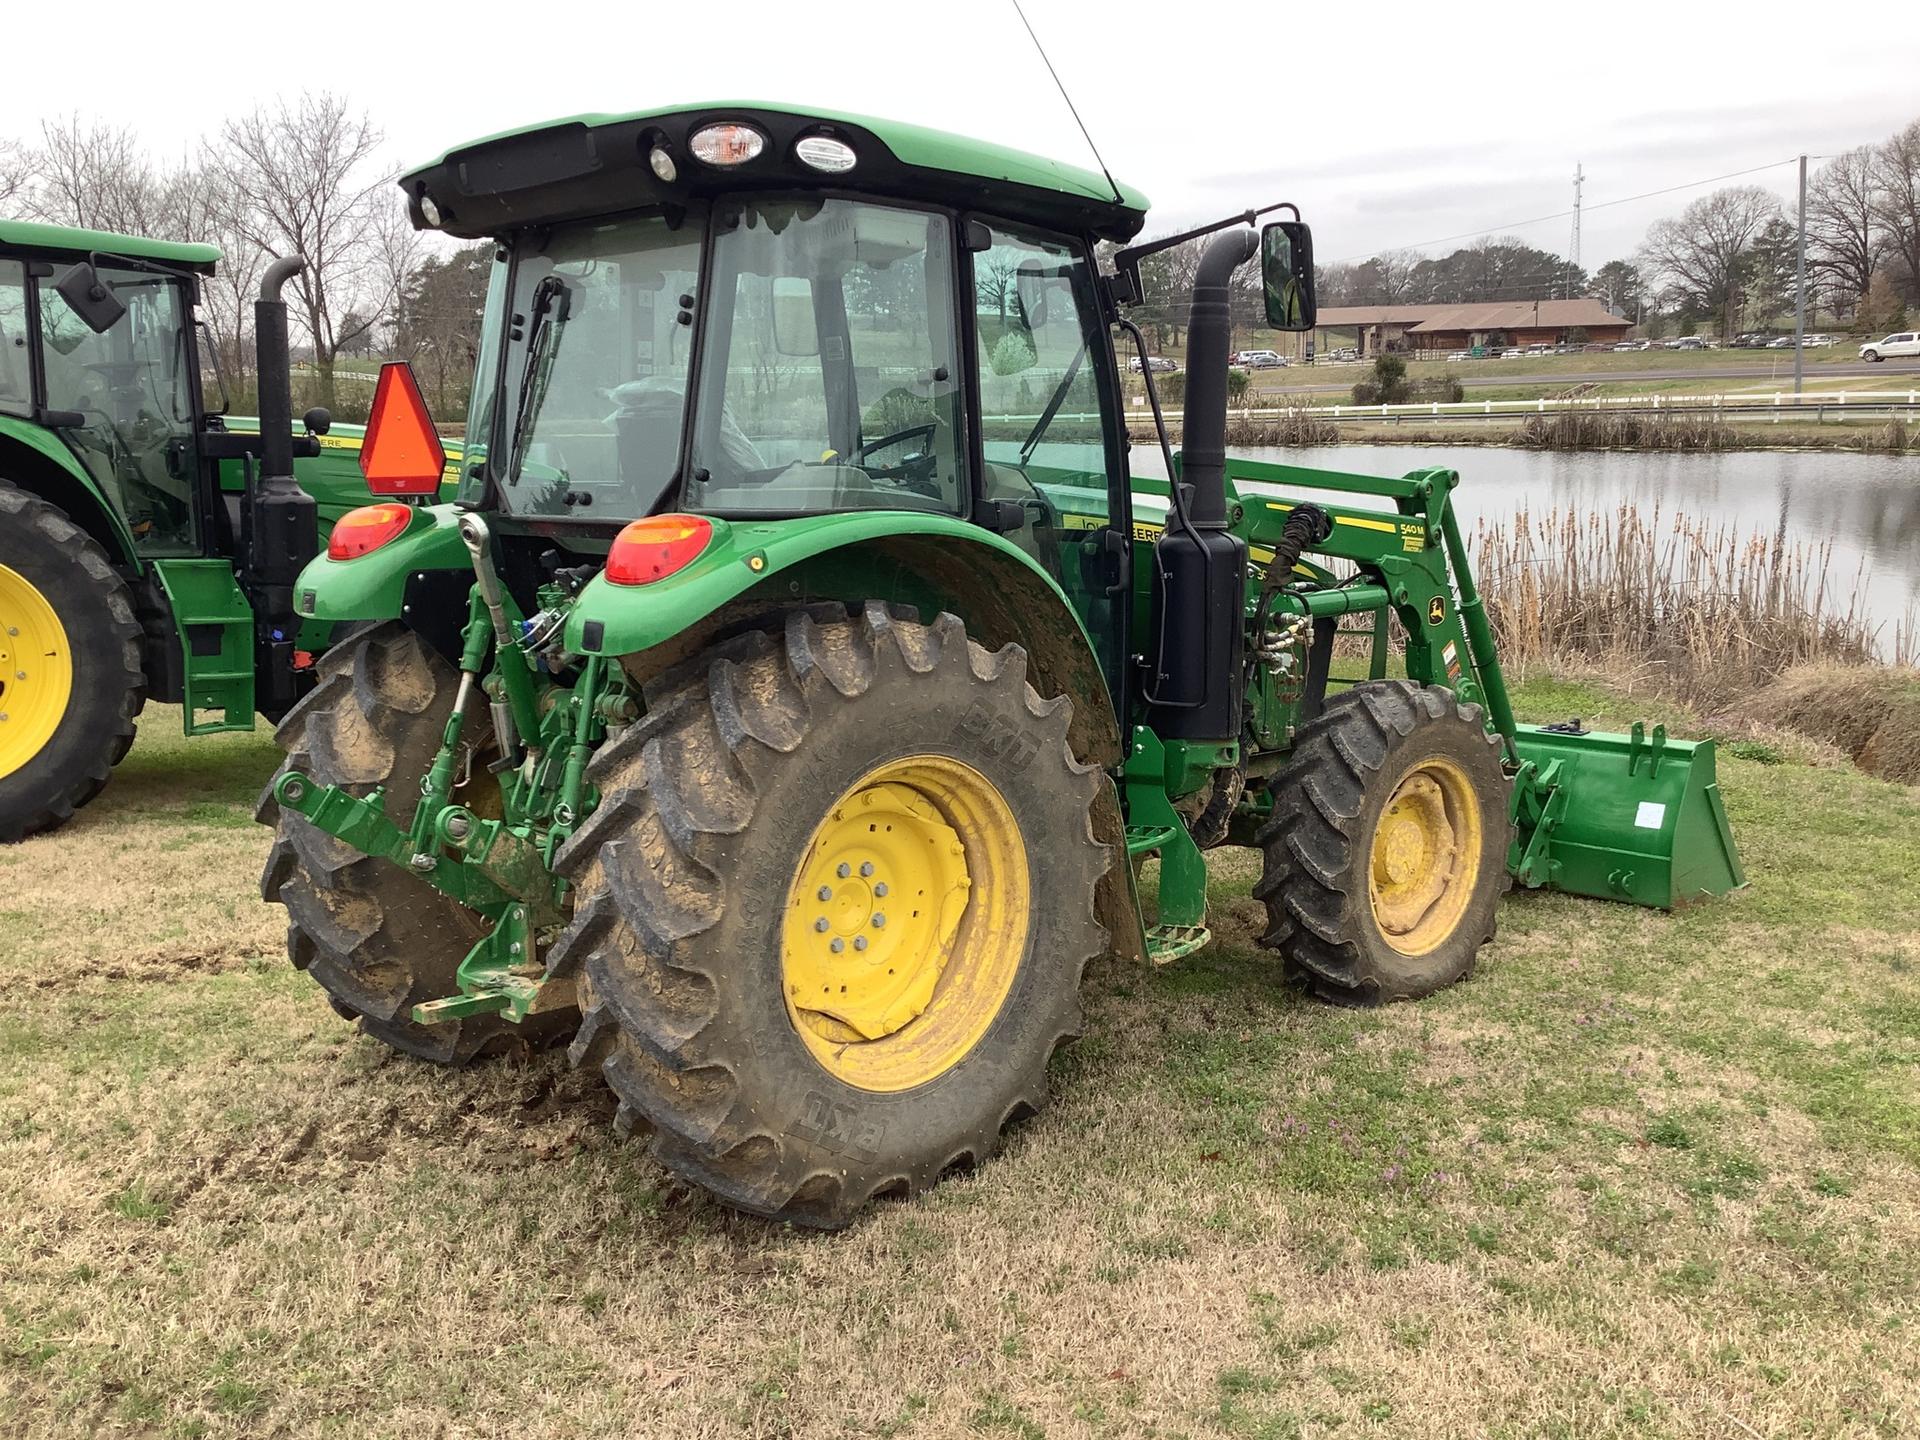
x=1573 y=246
x=1800 y=289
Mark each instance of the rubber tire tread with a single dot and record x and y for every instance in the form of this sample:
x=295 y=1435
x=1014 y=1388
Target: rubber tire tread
x=103 y=637
x=739 y=756
x=376 y=938
x=1316 y=842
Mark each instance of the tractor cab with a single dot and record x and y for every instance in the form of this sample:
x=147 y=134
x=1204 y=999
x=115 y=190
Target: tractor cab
x=97 y=342
x=758 y=315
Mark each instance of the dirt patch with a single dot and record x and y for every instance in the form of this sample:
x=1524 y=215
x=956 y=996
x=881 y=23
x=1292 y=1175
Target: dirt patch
x=1870 y=712
x=178 y=960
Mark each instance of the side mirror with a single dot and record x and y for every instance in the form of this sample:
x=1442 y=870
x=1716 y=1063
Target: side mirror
x=794 y=330
x=318 y=420
x=1030 y=289
x=89 y=297
x=1286 y=274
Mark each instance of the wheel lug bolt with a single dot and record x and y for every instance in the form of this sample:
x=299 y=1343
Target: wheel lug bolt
x=838 y=945
x=821 y=923
x=881 y=889
x=844 y=870
x=879 y=922
x=859 y=942
x=825 y=892
x=866 y=867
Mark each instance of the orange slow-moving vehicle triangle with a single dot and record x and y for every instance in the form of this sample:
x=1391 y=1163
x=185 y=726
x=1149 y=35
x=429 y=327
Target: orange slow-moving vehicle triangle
x=402 y=453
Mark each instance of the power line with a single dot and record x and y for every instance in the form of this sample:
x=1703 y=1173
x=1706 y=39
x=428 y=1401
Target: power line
x=1563 y=214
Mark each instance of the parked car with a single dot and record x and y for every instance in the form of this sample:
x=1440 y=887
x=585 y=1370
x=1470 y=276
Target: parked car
x=1820 y=341
x=1513 y=354
x=1459 y=355
x=1156 y=363
x=1634 y=345
x=1780 y=342
x=1907 y=342
x=1690 y=342
x=1259 y=359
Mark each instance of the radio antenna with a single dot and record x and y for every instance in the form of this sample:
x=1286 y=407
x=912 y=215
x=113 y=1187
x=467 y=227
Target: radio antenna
x=1119 y=199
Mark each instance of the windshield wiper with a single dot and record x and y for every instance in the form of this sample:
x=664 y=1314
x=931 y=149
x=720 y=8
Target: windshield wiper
x=550 y=303
x=1054 y=402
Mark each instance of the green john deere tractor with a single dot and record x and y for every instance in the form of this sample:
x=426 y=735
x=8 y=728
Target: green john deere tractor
x=777 y=710
x=148 y=542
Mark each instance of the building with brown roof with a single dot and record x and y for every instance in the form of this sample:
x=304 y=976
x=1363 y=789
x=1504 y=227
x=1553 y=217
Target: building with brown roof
x=1492 y=325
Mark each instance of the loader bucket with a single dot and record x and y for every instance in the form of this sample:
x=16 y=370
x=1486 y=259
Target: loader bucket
x=1634 y=817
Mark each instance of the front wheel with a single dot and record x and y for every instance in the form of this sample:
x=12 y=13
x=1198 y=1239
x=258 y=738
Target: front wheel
x=70 y=675
x=833 y=911
x=1386 y=853
x=1871 y=355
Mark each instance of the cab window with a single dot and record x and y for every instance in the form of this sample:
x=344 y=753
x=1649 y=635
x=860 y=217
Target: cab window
x=828 y=376
x=16 y=370
x=1047 y=437
x=133 y=388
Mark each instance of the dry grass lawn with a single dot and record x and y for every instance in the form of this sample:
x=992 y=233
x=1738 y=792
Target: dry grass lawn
x=1642 y=1175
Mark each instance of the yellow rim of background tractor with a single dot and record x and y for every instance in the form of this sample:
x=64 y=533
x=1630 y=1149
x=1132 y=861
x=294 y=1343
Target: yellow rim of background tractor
x=1425 y=856
x=36 y=671
x=906 y=923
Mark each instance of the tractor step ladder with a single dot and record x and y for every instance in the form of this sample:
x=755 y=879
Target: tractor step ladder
x=1165 y=943
x=215 y=626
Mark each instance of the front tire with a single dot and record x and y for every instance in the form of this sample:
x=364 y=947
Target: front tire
x=1386 y=853
x=759 y=832
x=1870 y=355
x=70 y=675
x=378 y=939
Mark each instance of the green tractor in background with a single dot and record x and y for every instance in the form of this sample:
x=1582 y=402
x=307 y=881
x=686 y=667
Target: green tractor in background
x=786 y=704
x=147 y=543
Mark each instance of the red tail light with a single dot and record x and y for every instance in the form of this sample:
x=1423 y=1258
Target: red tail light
x=360 y=532
x=656 y=547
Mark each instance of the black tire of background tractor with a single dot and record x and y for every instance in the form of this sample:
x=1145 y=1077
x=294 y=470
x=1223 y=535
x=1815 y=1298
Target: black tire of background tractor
x=683 y=874
x=378 y=939
x=1318 y=842
x=69 y=568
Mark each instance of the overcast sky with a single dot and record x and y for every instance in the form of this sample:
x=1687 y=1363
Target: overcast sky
x=1388 y=125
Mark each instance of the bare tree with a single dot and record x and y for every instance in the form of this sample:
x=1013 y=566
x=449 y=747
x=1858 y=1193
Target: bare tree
x=1843 y=234
x=1699 y=255
x=301 y=180
x=16 y=171
x=95 y=176
x=1897 y=205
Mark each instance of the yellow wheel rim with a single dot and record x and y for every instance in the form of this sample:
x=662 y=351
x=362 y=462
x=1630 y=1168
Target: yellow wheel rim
x=36 y=671
x=1425 y=856
x=906 y=923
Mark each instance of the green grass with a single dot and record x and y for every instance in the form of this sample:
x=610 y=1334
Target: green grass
x=1642 y=1174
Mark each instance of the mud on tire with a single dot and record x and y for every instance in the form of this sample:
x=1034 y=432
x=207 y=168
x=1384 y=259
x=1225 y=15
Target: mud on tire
x=377 y=939
x=1318 y=843
x=682 y=876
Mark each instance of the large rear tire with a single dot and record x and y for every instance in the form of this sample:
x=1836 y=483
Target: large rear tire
x=377 y=939
x=1386 y=853
x=833 y=911
x=70 y=675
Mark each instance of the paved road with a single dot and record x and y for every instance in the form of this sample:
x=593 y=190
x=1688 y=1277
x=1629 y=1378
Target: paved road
x=1485 y=374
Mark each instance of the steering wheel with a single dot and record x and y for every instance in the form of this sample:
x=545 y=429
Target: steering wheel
x=916 y=471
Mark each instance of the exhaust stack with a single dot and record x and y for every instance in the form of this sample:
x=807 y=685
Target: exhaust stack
x=1195 y=684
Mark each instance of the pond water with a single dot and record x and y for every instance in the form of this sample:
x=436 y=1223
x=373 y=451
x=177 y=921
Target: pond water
x=1867 y=505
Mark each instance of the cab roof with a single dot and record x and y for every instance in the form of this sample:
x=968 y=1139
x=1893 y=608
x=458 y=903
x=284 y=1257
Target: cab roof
x=27 y=235
x=599 y=164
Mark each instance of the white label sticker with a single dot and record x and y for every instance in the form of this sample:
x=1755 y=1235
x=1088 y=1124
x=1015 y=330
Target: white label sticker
x=1650 y=816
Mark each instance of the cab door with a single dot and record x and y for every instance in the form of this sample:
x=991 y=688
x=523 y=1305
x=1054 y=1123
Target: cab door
x=1052 y=462
x=133 y=386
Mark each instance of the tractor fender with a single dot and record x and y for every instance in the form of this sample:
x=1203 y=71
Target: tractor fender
x=931 y=562
x=39 y=462
x=374 y=586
